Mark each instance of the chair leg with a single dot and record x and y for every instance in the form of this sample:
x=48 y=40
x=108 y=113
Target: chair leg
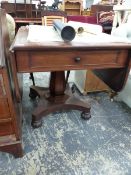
x=67 y=76
x=32 y=78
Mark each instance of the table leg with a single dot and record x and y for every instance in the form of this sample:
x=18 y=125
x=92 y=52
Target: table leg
x=59 y=97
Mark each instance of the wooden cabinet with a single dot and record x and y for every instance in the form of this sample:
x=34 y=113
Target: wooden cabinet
x=73 y=7
x=10 y=109
x=10 y=117
x=27 y=9
x=87 y=81
x=24 y=13
x=95 y=9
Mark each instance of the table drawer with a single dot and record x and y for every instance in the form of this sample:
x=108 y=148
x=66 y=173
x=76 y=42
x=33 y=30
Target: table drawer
x=61 y=60
x=4 y=108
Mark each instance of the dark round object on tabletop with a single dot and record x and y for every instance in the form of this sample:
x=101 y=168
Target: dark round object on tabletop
x=66 y=31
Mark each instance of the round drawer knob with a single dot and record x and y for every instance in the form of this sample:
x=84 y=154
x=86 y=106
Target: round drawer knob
x=77 y=59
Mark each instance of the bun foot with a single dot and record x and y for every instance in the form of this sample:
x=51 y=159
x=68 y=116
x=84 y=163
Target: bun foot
x=36 y=124
x=33 y=94
x=85 y=115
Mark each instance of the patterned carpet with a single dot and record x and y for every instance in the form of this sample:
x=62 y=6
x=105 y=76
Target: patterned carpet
x=68 y=145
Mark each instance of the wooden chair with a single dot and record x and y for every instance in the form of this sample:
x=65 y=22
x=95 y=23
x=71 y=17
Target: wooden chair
x=48 y=20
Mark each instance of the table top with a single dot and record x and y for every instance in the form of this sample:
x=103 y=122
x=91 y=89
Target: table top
x=21 y=43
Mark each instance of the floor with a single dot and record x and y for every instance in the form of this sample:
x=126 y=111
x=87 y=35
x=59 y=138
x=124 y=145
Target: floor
x=69 y=145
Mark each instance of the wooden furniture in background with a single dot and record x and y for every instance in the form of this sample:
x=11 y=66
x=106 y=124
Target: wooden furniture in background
x=10 y=109
x=23 y=13
x=73 y=7
x=86 y=12
x=53 y=13
x=26 y=21
x=108 y=2
x=86 y=81
x=48 y=20
x=95 y=9
x=22 y=10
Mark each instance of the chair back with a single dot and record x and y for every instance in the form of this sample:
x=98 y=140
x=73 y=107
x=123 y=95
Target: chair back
x=122 y=11
x=48 y=20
